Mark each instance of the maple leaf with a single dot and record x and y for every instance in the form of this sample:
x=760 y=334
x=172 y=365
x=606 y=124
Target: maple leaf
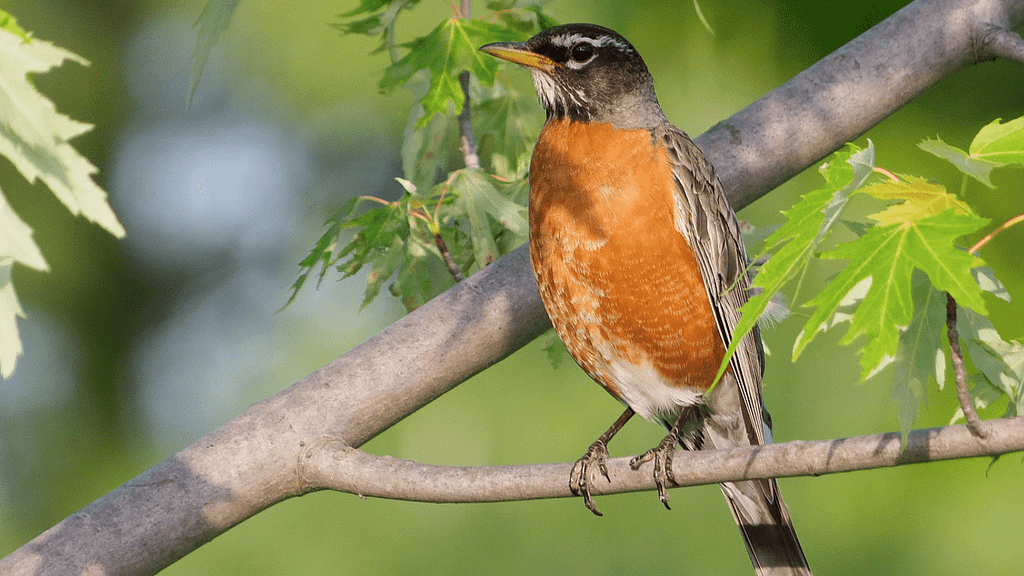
x=36 y=139
x=484 y=200
x=445 y=52
x=508 y=122
x=887 y=255
x=920 y=356
x=920 y=198
x=976 y=168
x=807 y=224
x=994 y=146
x=381 y=21
x=431 y=149
x=1002 y=143
x=1000 y=364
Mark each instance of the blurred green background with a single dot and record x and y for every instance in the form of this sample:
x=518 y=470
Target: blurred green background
x=137 y=348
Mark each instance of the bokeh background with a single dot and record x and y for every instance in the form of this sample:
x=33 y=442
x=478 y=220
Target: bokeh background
x=135 y=348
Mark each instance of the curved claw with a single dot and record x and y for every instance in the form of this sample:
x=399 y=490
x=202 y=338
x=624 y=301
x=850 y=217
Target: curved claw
x=579 y=477
x=662 y=456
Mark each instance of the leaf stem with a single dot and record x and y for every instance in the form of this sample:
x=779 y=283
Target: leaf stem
x=974 y=423
x=1012 y=221
x=886 y=173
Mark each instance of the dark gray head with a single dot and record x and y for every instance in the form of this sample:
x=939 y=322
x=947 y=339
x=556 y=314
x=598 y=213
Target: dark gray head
x=587 y=73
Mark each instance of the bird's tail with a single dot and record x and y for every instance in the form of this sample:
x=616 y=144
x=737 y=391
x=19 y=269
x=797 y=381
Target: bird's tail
x=757 y=506
x=763 y=519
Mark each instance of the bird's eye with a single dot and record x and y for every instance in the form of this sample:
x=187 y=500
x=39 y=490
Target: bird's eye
x=582 y=52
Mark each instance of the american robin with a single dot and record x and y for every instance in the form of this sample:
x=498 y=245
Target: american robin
x=642 y=270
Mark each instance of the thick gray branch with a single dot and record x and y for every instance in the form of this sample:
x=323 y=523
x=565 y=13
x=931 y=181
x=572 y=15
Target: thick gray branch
x=329 y=463
x=254 y=461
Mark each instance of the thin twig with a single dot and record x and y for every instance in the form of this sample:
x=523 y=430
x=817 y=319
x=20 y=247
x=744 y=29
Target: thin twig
x=446 y=255
x=974 y=423
x=467 y=145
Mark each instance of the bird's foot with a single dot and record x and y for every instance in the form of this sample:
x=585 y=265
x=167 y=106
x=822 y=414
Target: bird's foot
x=662 y=456
x=579 y=478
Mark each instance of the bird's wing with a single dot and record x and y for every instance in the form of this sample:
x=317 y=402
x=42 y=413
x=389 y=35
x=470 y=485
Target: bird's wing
x=709 y=224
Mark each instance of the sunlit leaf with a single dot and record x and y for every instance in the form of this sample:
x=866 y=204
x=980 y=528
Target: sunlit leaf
x=918 y=198
x=35 y=137
x=10 y=24
x=1003 y=143
x=807 y=224
x=888 y=254
x=16 y=243
x=36 y=140
x=999 y=363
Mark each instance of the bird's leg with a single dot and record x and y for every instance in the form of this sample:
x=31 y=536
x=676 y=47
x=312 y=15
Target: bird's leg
x=662 y=456
x=579 y=477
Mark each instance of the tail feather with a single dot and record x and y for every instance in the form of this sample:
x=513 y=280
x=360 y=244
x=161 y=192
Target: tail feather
x=763 y=519
x=756 y=505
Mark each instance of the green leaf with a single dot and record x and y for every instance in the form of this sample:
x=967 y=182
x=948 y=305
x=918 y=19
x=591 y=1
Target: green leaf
x=887 y=255
x=554 y=348
x=35 y=137
x=10 y=24
x=413 y=285
x=323 y=252
x=1001 y=143
x=381 y=21
x=445 y=52
x=507 y=125
x=987 y=281
x=807 y=224
x=431 y=149
x=388 y=259
x=10 y=311
x=919 y=357
x=212 y=22
x=483 y=200
x=919 y=199
x=1000 y=363
x=976 y=168
x=525 y=16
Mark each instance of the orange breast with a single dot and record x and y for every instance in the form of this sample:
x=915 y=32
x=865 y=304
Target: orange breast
x=617 y=278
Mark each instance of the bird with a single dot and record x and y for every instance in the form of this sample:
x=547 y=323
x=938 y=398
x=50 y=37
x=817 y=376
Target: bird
x=642 y=270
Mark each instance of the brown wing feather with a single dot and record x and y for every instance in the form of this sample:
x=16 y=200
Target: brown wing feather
x=712 y=231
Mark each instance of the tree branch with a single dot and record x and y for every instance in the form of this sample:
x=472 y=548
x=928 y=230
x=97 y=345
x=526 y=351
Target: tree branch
x=252 y=462
x=330 y=463
x=963 y=395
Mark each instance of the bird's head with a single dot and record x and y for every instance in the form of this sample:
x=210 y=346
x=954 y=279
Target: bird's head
x=587 y=73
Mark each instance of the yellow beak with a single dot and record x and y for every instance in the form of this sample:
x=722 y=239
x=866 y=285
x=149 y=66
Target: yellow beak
x=514 y=52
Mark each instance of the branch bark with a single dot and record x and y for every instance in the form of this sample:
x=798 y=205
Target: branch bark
x=331 y=464
x=255 y=460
